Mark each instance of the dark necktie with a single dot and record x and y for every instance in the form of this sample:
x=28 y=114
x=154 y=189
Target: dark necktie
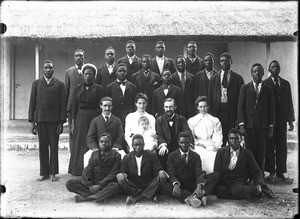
x=121 y=82
x=225 y=80
x=256 y=90
x=277 y=89
x=182 y=81
x=183 y=157
x=106 y=118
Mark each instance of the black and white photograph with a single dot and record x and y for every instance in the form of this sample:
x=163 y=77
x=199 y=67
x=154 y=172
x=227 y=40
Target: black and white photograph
x=149 y=109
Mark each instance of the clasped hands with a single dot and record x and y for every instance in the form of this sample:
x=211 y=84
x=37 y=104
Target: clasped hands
x=95 y=188
x=163 y=149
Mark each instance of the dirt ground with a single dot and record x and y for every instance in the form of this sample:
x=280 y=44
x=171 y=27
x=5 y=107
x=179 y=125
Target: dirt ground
x=27 y=198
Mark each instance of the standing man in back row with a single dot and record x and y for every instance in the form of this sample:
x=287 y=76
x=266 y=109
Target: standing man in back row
x=223 y=95
x=132 y=62
x=73 y=77
x=194 y=63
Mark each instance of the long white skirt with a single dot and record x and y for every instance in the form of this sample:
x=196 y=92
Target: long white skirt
x=207 y=158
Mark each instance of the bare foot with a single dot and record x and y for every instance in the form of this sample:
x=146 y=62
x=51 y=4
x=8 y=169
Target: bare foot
x=79 y=198
x=53 y=178
x=42 y=178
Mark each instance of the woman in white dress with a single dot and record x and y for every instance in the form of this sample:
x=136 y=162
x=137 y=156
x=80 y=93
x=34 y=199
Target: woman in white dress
x=207 y=132
x=131 y=121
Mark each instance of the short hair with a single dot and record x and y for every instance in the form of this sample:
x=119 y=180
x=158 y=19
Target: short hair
x=141 y=96
x=201 y=99
x=234 y=131
x=79 y=50
x=146 y=56
x=121 y=65
x=48 y=61
x=226 y=54
x=178 y=57
x=89 y=66
x=130 y=41
x=169 y=99
x=105 y=99
x=192 y=42
x=274 y=61
x=138 y=136
x=111 y=48
x=184 y=135
x=257 y=65
x=160 y=42
x=107 y=135
x=143 y=119
x=209 y=54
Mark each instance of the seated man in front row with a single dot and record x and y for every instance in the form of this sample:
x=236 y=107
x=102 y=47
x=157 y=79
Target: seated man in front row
x=240 y=176
x=188 y=182
x=97 y=181
x=141 y=173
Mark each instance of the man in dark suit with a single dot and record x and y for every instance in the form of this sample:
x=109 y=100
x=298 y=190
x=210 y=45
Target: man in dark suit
x=194 y=63
x=160 y=61
x=240 y=176
x=188 y=182
x=185 y=80
x=202 y=78
x=166 y=90
x=284 y=112
x=145 y=80
x=141 y=174
x=256 y=114
x=73 y=77
x=97 y=178
x=132 y=62
x=122 y=93
x=167 y=127
x=47 y=114
x=107 y=73
x=223 y=95
x=106 y=123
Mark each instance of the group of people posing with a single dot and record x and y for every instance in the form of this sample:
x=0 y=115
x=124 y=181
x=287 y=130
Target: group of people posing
x=149 y=126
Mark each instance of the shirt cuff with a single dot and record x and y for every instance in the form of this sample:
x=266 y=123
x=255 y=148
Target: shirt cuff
x=241 y=124
x=162 y=171
x=177 y=182
x=271 y=125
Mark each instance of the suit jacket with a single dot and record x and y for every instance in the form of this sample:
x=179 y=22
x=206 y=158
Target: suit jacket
x=122 y=104
x=168 y=64
x=134 y=67
x=194 y=67
x=201 y=83
x=101 y=170
x=103 y=77
x=233 y=90
x=99 y=126
x=159 y=98
x=72 y=79
x=188 y=93
x=136 y=79
x=246 y=167
x=256 y=114
x=284 y=108
x=163 y=131
x=47 y=101
x=149 y=169
x=180 y=171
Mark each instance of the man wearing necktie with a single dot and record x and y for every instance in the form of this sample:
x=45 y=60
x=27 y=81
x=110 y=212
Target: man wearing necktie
x=73 y=77
x=131 y=60
x=167 y=127
x=239 y=175
x=107 y=72
x=256 y=114
x=97 y=180
x=160 y=61
x=223 y=93
x=123 y=94
x=194 y=63
x=141 y=175
x=284 y=111
x=188 y=182
x=185 y=80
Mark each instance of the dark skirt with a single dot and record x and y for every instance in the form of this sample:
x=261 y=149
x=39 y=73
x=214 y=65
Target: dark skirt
x=82 y=124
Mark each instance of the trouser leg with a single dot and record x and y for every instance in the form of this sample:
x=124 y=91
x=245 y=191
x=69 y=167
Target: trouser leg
x=111 y=190
x=162 y=159
x=167 y=189
x=281 y=148
x=53 y=142
x=212 y=180
x=270 y=155
x=223 y=191
x=132 y=189
x=75 y=185
x=241 y=190
x=43 y=148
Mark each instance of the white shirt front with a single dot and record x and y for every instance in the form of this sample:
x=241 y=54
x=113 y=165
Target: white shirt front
x=209 y=74
x=180 y=76
x=123 y=87
x=259 y=86
x=48 y=80
x=130 y=59
x=139 y=164
x=160 y=63
x=79 y=70
x=224 y=98
x=110 y=68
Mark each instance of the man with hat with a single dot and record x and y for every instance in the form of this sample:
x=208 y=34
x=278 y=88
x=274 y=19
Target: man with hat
x=202 y=78
x=223 y=95
x=194 y=63
x=160 y=61
x=131 y=60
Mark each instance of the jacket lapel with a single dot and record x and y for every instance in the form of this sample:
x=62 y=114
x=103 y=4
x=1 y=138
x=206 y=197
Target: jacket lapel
x=139 y=77
x=231 y=77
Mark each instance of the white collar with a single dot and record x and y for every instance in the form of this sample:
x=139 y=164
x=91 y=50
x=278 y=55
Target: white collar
x=181 y=152
x=48 y=80
x=259 y=84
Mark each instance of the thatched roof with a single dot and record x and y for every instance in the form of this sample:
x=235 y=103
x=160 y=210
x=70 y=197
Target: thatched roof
x=260 y=21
